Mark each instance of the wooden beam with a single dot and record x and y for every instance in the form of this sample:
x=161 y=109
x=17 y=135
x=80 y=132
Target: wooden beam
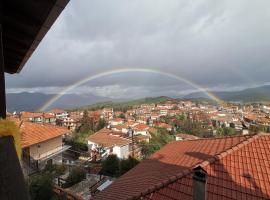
x=12 y=186
x=2 y=80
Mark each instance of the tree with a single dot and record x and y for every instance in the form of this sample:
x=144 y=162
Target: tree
x=157 y=141
x=101 y=124
x=256 y=128
x=127 y=164
x=226 y=131
x=110 y=166
x=194 y=127
x=86 y=123
x=76 y=175
x=181 y=117
x=122 y=116
x=40 y=187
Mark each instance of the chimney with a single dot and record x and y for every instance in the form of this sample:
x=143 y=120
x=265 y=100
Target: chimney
x=199 y=183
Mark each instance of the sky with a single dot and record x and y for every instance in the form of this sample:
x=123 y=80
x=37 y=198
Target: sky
x=218 y=45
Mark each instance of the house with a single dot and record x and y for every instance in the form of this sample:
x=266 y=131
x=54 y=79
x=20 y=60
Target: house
x=183 y=136
x=120 y=128
x=71 y=123
x=95 y=115
x=116 y=121
x=141 y=138
x=141 y=129
x=227 y=166
x=41 y=144
x=59 y=113
x=49 y=118
x=168 y=127
x=38 y=117
x=107 y=113
x=107 y=141
x=34 y=117
x=163 y=112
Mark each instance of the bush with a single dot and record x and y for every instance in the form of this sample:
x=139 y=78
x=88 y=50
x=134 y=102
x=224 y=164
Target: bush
x=110 y=166
x=127 y=164
x=76 y=175
x=40 y=187
x=226 y=131
x=158 y=140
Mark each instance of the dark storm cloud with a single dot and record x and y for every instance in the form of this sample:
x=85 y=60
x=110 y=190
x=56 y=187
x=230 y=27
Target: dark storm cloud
x=221 y=44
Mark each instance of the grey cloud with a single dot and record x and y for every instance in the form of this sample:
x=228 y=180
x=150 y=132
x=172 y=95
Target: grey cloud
x=213 y=43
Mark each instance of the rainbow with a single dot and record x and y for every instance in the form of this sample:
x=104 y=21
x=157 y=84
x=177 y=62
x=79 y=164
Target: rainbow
x=124 y=70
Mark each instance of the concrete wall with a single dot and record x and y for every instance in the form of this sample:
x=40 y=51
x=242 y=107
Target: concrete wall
x=121 y=152
x=43 y=149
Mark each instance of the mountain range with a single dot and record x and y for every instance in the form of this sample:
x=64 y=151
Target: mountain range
x=34 y=101
x=257 y=94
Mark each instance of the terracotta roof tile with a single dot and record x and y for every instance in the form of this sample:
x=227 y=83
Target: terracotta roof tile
x=108 y=138
x=32 y=133
x=141 y=127
x=229 y=164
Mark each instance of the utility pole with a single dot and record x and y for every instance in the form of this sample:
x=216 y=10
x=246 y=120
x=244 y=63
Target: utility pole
x=131 y=133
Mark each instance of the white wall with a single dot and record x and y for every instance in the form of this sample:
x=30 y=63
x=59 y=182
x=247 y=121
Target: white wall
x=121 y=151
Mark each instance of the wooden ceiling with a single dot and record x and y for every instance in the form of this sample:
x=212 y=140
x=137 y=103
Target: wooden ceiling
x=24 y=24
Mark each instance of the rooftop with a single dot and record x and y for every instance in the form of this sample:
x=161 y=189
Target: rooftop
x=32 y=133
x=228 y=162
x=107 y=138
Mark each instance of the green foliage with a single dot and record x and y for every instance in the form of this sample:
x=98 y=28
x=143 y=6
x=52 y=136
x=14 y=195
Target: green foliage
x=165 y=119
x=226 y=131
x=101 y=124
x=55 y=170
x=157 y=141
x=40 y=187
x=110 y=166
x=86 y=123
x=193 y=127
x=122 y=116
x=181 y=117
x=257 y=128
x=127 y=164
x=76 y=175
x=124 y=106
x=77 y=146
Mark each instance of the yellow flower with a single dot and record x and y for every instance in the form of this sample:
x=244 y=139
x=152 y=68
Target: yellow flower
x=9 y=128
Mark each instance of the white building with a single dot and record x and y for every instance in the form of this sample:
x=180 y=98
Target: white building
x=107 y=142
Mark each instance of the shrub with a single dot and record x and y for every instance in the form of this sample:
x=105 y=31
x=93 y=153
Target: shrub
x=40 y=187
x=110 y=166
x=127 y=164
x=76 y=175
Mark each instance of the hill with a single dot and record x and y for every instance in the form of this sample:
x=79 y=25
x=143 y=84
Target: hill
x=123 y=105
x=33 y=101
x=257 y=94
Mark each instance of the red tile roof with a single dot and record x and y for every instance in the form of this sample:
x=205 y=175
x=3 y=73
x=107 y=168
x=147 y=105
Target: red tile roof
x=108 y=138
x=57 y=110
x=163 y=125
x=27 y=115
x=32 y=133
x=229 y=162
x=141 y=127
x=186 y=136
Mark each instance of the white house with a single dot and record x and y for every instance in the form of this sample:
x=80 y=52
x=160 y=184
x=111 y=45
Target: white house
x=59 y=113
x=116 y=121
x=106 y=142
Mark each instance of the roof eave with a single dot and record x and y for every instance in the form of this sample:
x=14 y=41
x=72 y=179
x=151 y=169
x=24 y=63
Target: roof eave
x=51 y=18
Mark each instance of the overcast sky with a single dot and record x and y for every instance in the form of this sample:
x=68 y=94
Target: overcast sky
x=220 y=45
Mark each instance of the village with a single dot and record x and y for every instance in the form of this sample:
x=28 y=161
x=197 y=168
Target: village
x=84 y=151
